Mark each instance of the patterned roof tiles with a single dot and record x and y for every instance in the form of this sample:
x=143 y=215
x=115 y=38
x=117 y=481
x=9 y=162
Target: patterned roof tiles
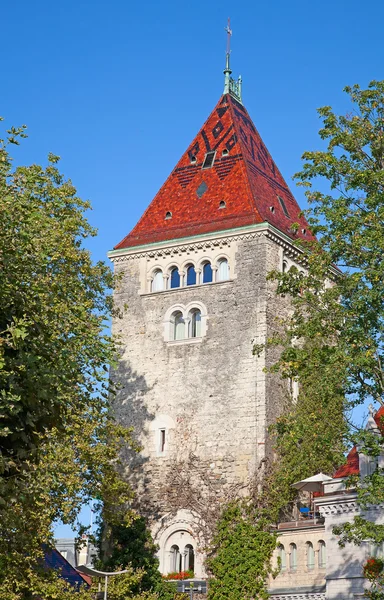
x=243 y=175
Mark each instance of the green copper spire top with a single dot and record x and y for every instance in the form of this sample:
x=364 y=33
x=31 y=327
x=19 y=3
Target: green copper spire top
x=230 y=85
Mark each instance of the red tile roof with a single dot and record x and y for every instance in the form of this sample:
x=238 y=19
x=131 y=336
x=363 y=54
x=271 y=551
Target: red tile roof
x=243 y=175
x=351 y=467
x=379 y=418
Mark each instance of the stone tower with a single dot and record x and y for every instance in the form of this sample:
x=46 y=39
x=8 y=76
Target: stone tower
x=196 y=298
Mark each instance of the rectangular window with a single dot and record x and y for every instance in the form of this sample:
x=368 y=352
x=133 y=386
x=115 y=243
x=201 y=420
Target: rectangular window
x=208 y=161
x=162 y=441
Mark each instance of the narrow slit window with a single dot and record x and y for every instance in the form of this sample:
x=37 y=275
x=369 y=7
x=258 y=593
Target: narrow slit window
x=162 y=441
x=209 y=160
x=282 y=204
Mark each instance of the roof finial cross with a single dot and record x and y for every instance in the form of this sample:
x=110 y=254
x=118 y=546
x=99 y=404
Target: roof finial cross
x=229 y=33
x=227 y=70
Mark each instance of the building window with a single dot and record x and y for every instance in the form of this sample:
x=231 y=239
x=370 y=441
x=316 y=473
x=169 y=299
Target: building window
x=209 y=160
x=322 y=555
x=191 y=275
x=175 y=559
x=189 y=558
x=157 y=281
x=223 y=270
x=376 y=550
x=285 y=266
x=207 y=273
x=178 y=326
x=195 y=323
x=282 y=557
x=161 y=441
x=282 y=204
x=310 y=556
x=185 y=323
x=222 y=204
x=293 y=557
x=175 y=278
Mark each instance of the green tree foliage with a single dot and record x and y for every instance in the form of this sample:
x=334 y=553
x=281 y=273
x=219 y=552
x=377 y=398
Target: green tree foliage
x=240 y=553
x=59 y=444
x=335 y=335
x=132 y=544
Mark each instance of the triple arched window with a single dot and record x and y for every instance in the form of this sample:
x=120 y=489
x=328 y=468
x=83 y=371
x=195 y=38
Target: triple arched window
x=191 y=274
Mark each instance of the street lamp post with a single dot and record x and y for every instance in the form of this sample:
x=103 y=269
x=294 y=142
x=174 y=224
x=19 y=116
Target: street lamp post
x=93 y=573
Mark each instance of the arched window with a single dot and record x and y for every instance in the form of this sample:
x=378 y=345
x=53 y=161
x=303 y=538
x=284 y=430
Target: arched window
x=175 y=278
x=310 y=556
x=157 y=281
x=189 y=558
x=285 y=266
x=281 y=555
x=195 y=323
x=293 y=557
x=178 y=326
x=322 y=555
x=191 y=275
x=175 y=559
x=223 y=270
x=207 y=273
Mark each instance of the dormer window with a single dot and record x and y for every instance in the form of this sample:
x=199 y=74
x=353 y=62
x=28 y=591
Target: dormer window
x=282 y=204
x=272 y=209
x=168 y=215
x=209 y=160
x=193 y=159
x=225 y=152
x=222 y=204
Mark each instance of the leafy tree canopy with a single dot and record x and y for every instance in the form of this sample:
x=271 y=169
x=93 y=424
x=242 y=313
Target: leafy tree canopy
x=59 y=444
x=336 y=332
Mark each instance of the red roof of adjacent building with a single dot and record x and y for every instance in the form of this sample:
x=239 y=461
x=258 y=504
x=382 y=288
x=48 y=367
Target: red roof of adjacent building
x=243 y=176
x=351 y=467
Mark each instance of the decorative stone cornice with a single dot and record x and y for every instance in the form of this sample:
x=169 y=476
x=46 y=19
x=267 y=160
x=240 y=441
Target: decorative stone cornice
x=297 y=595
x=338 y=509
x=178 y=247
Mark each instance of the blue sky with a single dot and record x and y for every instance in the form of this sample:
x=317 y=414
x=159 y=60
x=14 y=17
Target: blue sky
x=118 y=89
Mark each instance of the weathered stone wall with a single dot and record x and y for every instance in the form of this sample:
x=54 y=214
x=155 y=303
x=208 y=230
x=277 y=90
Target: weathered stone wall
x=213 y=397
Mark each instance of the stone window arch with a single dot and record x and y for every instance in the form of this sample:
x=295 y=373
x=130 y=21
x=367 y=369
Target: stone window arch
x=194 y=323
x=282 y=556
x=189 y=558
x=190 y=274
x=157 y=280
x=322 y=555
x=174 y=277
x=222 y=269
x=293 y=557
x=310 y=556
x=176 y=559
x=207 y=273
x=177 y=326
